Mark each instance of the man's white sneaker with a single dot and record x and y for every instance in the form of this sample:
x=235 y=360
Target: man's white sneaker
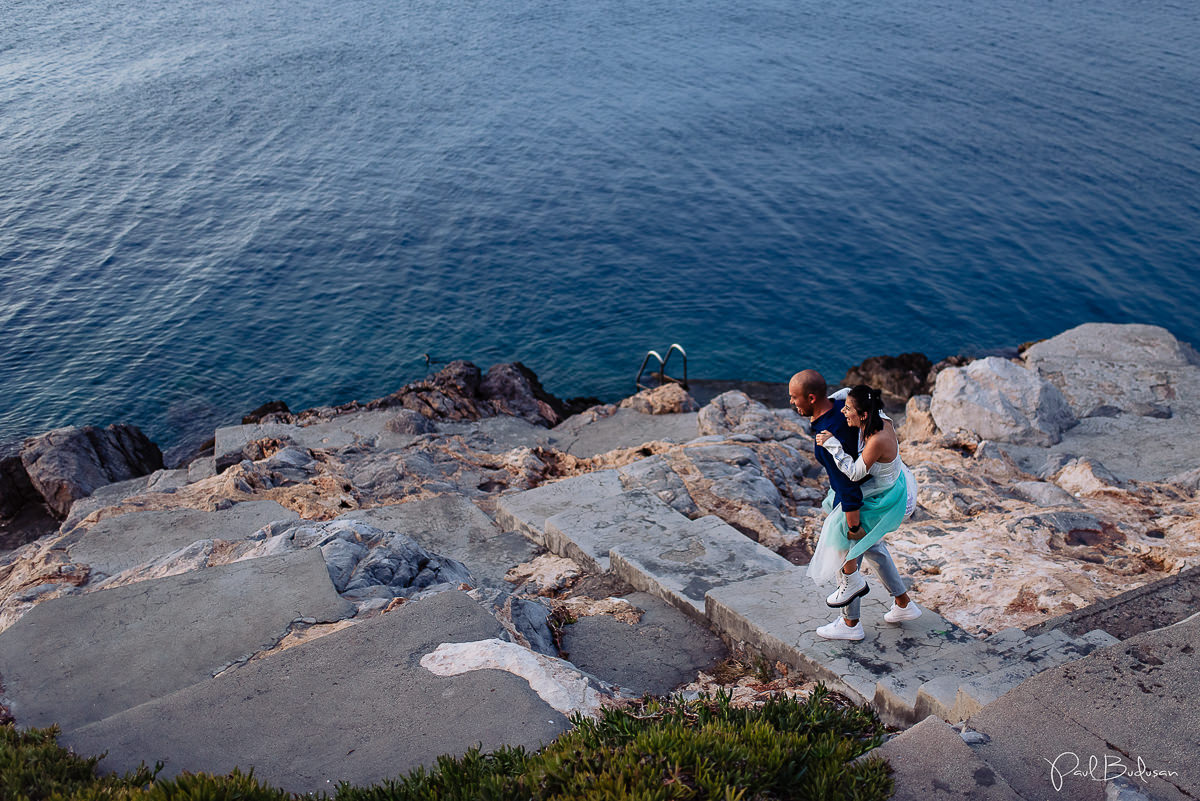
x=838 y=630
x=898 y=614
x=849 y=587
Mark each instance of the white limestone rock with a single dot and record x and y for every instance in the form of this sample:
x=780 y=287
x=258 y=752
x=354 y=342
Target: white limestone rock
x=1105 y=369
x=996 y=399
x=560 y=684
x=735 y=412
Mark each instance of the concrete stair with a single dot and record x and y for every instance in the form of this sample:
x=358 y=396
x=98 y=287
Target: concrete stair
x=752 y=596
x=956 y=685
x=1083 y=730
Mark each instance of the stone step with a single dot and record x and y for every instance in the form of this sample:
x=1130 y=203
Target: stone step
x=81 y=658
x=626 y=428
x=527 y=511
x=699 y=555
x=453 y=526
x=930 y=760
x=354 y=705
x=937 y=693
x=587 y=532
x=115 y=544
x=777 y=615
x=982 y=690
x=1130 y=707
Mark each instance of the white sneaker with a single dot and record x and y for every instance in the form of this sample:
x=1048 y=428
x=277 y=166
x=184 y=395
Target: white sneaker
x=849 y=587
x=838 y=630
x=898 y=614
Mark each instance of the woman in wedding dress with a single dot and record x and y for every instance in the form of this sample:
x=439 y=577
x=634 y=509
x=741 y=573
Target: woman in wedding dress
x=889 y=495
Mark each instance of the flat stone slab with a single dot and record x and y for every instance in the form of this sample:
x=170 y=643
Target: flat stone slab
x=498 y=434
x=626 y=428
x=358 y=428
x=1136 y=699
x=778 y=614
x=655 y=655
x=692 y=559
x=587 y=532
x=527 y=511
x=113 y=494
x=81 y=658
x=352 y=706
x=930 y=760
x=450 y=525
x=118 y=543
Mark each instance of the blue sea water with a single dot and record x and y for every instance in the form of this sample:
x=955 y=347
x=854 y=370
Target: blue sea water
x=207 y=205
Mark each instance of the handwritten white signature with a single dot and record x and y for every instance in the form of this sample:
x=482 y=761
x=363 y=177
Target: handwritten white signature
x=1110 y=767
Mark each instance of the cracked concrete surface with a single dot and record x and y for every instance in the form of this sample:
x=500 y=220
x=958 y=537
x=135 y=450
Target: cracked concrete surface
x=80 y=658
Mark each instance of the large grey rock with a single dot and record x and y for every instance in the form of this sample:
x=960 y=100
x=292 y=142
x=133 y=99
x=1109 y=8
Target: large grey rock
x=735 y=412
x=498 y=434
x=1104 y=369
x=452 y=526
x=115 y=544
x=166 y=481
x=734 y=480
x=67 y=464
x=353 y=706
x=996 y=399
x=361 y=557
x=655 y=474
x=16 y=490
x=372 y=429
x=81 y=658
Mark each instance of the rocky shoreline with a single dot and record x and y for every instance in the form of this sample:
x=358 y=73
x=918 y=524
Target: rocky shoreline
x=1049 y=481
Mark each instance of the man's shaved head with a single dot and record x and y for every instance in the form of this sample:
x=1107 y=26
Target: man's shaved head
x=807 y=392
x=809 y=382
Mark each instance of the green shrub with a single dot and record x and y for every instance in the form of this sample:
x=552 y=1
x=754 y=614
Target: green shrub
x=33 y=767
x=659 y=750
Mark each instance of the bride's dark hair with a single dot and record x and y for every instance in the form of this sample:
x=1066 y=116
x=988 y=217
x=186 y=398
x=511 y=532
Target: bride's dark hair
x=869 y=403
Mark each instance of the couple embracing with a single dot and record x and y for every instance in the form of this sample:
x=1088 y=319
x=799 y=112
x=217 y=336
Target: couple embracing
x=871 y=493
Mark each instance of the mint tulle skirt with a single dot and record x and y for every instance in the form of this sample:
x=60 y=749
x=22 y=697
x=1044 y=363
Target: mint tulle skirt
x=881 y=514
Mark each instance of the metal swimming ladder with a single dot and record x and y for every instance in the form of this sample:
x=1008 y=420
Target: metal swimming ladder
x=661 y=375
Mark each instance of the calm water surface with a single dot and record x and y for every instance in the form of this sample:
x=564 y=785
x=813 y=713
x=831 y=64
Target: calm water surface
x=204 y=206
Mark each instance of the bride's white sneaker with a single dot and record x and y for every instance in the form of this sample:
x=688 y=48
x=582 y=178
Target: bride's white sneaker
x=898 y=614
x=838 y=630
x=849 y=587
